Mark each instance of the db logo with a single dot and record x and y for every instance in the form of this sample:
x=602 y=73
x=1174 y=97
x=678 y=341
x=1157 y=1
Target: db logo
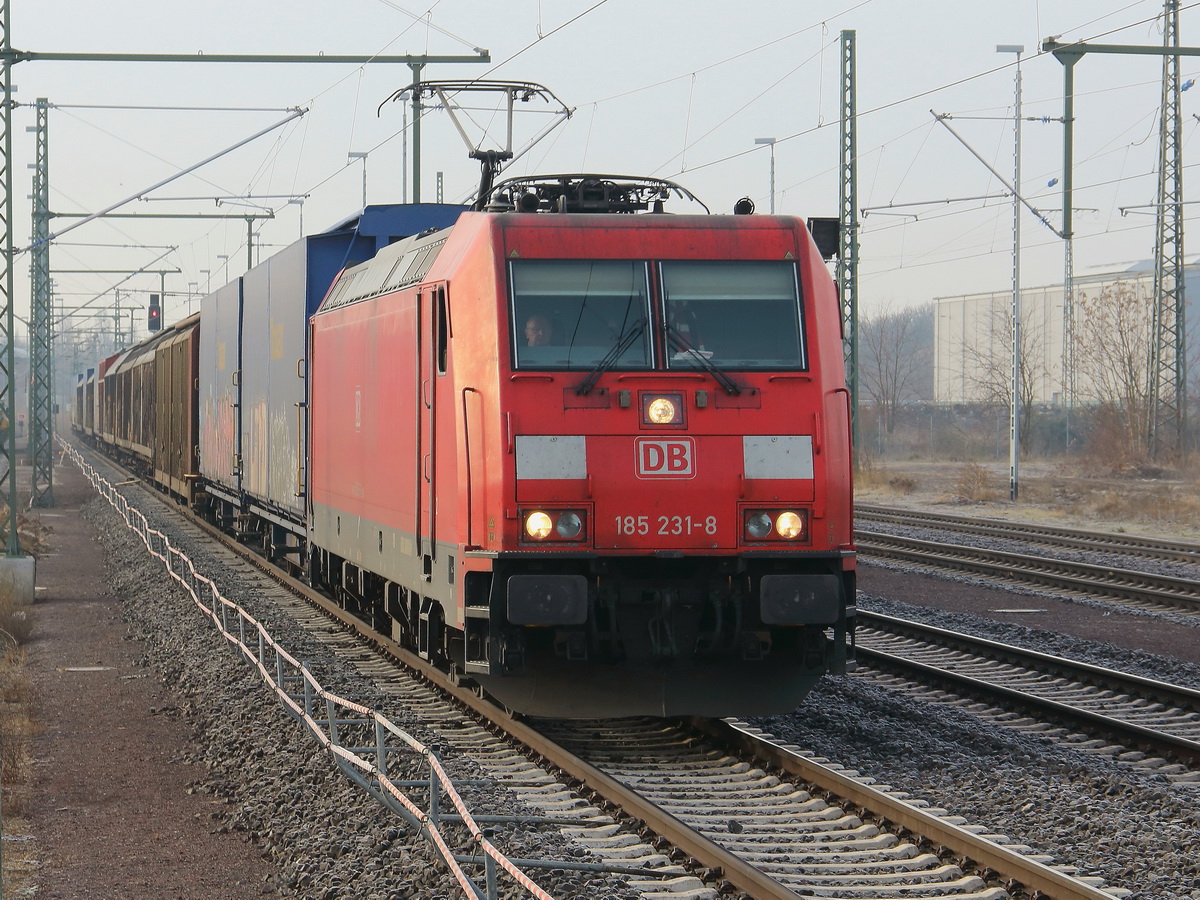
x=665 y=459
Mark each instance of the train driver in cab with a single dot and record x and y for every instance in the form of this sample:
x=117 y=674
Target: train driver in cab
x=539 y=331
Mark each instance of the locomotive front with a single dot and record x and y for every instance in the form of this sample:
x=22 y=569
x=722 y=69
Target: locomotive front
x=669 y=502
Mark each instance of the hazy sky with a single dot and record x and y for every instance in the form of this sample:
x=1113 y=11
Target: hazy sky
x=674 y=89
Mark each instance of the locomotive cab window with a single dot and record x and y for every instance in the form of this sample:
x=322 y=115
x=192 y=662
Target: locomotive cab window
x=733 y=315
x=574 y=314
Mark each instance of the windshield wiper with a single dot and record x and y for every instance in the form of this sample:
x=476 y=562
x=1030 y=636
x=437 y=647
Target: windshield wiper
x=681 y=344
x=610 y=358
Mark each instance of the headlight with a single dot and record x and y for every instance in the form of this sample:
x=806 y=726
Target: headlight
x=776 y=525
x=569 y=525
x=789 y=525
x=662 y=409
x=554 y=525
x=538 y=526
x=758 y=526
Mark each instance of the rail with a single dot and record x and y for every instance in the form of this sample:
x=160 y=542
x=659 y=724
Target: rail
x=1046 y=697
x=1052 y=535
x=301 y=695
x=1107 y=582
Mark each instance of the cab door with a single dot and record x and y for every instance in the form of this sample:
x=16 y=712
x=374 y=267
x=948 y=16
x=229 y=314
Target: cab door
x=431 y=363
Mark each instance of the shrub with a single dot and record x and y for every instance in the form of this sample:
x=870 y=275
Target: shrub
x=973 y=485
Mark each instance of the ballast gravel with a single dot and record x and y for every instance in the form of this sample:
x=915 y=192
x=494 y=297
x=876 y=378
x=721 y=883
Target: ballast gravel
x=271 y=783
x=1136 y=830
x=277 y=790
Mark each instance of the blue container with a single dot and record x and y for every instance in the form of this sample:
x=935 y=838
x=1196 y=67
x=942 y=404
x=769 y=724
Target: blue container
x=260 y=465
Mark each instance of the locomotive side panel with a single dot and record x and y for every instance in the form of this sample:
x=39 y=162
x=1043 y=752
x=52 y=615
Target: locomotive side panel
x=366 y=471
x=829 y=365
x=386 y=409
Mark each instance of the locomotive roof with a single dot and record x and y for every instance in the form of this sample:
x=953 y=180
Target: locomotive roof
x=395 y=266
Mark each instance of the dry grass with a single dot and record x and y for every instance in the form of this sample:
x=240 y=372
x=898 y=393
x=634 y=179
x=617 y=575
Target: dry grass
x=16 y=617
x=1161 y=505
x=974 y=484
x=16 y=726
x=20 y=858
x=16 y=622
x=1080 y=492
x=870 y=476
x=903 y=484
x=33 y=535
x=16 y=774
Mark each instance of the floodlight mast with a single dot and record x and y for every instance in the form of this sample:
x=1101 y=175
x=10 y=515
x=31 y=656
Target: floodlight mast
x=1014 y=413
x=770 y=141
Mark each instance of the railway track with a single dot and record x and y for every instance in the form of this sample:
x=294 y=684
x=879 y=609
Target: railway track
x=1045 y=535
x=711 y=808
x=815 y=829
x=628 y=787
x=1138 y=588
x=1140 y=713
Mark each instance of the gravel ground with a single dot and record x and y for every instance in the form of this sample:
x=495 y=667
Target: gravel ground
x=1137 y=831
x=276 y=789
x=279 y=793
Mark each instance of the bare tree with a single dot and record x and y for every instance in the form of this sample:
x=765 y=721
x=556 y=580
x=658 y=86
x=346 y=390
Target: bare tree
x=987 y=365
x=1112 y=353
x=896 y=358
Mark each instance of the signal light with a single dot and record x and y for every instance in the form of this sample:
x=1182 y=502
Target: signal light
x=154 y=313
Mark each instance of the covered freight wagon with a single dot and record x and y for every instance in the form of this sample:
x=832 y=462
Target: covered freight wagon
x=253 y=367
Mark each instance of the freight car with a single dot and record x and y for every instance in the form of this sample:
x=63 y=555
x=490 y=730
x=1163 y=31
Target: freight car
x=253 y=374
x=592 y=456
x=140 y=405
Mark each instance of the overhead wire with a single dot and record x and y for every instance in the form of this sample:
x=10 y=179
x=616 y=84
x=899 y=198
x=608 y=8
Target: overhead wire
x=1108 y=229
x=776 y=83
x=931 y=91
x=728 y=59
x=426 y=19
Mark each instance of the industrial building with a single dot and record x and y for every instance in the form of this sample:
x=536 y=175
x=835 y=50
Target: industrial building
x=972 y=350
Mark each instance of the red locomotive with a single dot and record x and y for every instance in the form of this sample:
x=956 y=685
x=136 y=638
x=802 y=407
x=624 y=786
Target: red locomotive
x=591 y=455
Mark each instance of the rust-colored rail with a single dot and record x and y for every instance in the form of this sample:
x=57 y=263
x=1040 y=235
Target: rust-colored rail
x=1060 y=574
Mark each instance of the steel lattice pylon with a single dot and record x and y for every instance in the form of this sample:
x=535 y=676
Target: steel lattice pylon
x=847 y=268
x=41 y=396
x=1168 y=368
x=41 y=332
x=8 y=433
